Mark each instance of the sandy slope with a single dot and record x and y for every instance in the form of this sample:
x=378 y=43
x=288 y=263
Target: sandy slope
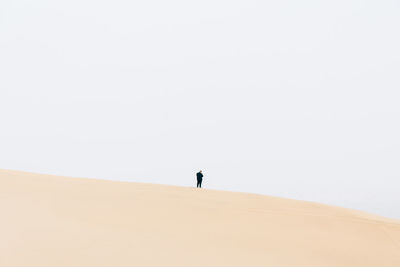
x=57 y=221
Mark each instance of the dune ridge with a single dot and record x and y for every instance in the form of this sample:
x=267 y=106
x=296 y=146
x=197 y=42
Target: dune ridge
x=60 y=221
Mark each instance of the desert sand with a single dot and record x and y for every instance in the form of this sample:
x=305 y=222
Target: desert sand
x=59 y=221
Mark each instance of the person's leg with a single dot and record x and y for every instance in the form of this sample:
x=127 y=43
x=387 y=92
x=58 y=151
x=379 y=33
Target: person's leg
x=201 y=180
x=198 y=183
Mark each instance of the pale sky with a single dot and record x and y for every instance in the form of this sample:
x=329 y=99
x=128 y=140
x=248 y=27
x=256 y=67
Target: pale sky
x=298 y=99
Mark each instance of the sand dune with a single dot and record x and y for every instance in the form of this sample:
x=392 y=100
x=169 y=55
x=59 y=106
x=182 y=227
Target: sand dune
x=59 y=221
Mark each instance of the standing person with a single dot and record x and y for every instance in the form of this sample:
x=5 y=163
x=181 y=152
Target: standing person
x=199 y=176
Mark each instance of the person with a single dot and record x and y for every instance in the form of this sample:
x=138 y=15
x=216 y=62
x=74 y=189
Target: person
x=199 y=176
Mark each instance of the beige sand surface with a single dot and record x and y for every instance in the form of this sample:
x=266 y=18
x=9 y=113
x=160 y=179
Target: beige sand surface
x=59 y=221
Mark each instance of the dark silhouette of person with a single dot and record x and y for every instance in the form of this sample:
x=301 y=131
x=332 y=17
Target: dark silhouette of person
x=199 y=176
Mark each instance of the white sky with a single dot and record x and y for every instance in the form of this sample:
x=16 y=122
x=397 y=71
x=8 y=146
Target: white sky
x=298 y=99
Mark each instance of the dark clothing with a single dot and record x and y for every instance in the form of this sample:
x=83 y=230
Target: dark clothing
x=199 y=176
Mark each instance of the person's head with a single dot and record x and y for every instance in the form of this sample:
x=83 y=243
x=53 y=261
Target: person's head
x=200 y=171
